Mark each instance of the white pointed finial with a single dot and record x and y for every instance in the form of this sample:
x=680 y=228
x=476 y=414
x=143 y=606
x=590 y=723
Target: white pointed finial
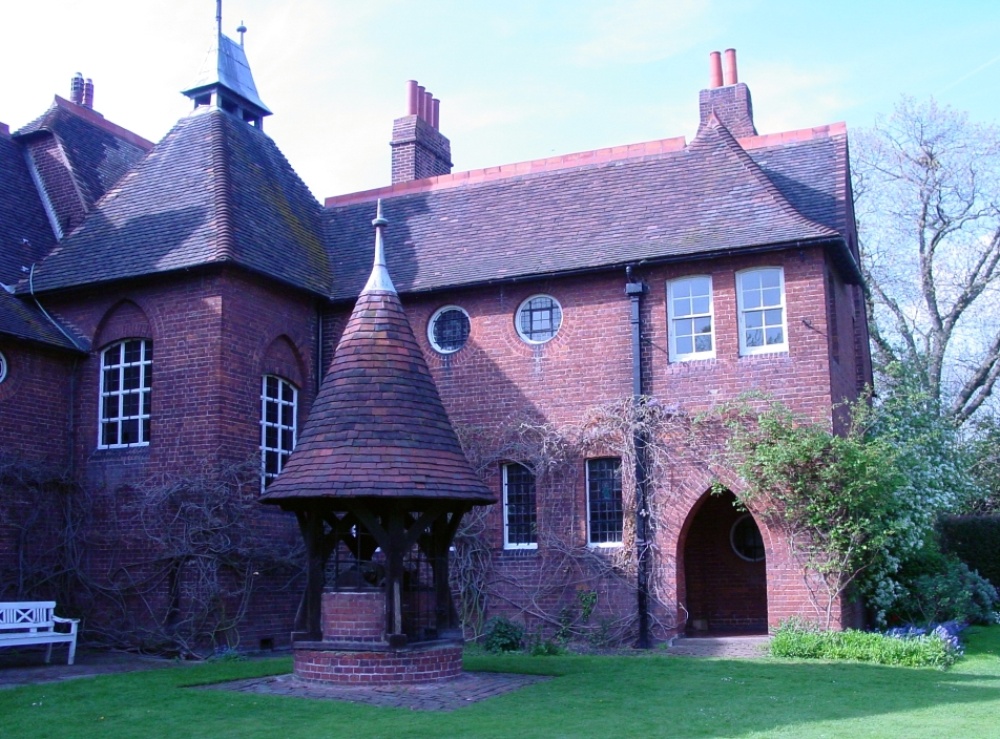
x=379 y=279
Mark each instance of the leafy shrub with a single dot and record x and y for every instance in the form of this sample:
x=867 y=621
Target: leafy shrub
x=503 y=635
x=949 y=592
x=796 y=639
x=544 y=647
x=973 y=539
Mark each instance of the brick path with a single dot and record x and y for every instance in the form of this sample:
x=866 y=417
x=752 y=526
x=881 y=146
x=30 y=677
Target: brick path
x=720 y=646
x=446 y=695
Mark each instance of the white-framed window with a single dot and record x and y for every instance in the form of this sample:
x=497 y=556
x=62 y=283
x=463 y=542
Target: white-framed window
x=448 y=329
x=3 y=367
x=746 y=540
x=538 y=319
x=605 y=514
x=520 y=519
x=279 y=406
x=690 y=317
x=760 y=295
x=126 y=381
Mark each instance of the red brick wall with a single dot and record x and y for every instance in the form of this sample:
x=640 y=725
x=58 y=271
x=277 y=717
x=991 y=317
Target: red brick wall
x=35 y=404
x=497 y=377
x=214 y=336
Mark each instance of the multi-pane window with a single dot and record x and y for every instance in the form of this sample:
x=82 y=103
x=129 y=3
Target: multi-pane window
x=448 y=329
x=689 y=304
x=126 y=379
x=538 y=319
x=278 y=419
x=519 y=517
x=761 y=297
x=604 y=501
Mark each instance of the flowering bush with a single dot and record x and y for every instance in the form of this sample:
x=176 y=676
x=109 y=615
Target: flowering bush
x=917 y=648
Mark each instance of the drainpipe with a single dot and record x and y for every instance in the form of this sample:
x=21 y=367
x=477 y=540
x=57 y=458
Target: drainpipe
x=635 y=290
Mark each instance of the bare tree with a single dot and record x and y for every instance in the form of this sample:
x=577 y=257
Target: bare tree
x=927 y=197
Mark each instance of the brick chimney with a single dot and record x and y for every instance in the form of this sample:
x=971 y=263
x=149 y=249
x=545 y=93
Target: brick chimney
x=418 y=148
x=726 y=96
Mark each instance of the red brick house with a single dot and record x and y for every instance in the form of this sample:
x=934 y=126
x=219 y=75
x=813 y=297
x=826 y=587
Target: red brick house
x=542 y=293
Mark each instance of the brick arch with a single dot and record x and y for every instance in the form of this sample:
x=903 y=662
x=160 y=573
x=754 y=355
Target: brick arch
x=124 y=320
x=283 y=358
x=720 y=592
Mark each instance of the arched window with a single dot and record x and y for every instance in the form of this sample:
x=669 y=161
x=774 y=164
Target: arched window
x=126 y=382
x=278 y=420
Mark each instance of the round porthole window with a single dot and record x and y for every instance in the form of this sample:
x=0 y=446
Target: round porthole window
x=538 y=319
x=448 y=329
x=3 y=367
x=746 y=539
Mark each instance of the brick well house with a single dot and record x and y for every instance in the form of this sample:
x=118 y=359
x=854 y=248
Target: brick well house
x=173 y=307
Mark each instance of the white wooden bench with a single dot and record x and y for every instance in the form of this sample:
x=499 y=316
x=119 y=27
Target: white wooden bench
x=34 y=622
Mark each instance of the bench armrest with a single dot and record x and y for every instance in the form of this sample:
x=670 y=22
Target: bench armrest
x=71 y=621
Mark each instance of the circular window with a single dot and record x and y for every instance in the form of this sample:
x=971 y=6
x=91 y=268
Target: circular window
x=746 y=540
x=3 y=367
x=448 y=329
x=538 y=319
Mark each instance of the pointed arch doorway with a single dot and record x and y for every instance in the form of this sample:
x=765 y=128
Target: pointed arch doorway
x=725 y=574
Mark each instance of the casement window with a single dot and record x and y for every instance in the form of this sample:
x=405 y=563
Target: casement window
x=126 y=381
x=519 y=513
x=448 y=329
x=760 y=295
x=604 y=502
x=278 y=420
x=689 y=309
x=538 y=319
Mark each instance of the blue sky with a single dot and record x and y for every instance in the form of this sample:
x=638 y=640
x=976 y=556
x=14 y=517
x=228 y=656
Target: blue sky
x=517 y=80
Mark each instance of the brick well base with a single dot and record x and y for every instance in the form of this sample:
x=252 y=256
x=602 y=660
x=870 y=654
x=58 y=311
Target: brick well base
x=417 y=663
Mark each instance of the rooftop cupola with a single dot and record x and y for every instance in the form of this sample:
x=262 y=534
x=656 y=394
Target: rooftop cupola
x=225 y=80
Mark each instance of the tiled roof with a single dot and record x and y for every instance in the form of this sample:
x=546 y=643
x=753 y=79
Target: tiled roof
x=21 y=319
x=711 y=197
x=378 y=428
x=98 y=151
x=214 y=191
x=25 y=234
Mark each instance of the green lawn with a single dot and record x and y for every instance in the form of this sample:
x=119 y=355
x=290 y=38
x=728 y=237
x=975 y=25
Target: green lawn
x=651 y=695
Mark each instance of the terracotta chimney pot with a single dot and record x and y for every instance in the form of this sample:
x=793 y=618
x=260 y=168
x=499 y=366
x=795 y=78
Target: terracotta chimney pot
x=715 y=69
x=730 y=75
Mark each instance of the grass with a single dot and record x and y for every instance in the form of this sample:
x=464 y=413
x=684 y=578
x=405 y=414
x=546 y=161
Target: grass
x=647 y=695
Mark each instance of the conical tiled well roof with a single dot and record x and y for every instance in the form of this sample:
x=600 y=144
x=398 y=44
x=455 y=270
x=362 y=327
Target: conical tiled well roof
x=378 y=428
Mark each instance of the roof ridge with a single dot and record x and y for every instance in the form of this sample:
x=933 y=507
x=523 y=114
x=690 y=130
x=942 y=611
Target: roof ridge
x=714 y=126
x=90 y=116
x=575 y=159
x=532 y=166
